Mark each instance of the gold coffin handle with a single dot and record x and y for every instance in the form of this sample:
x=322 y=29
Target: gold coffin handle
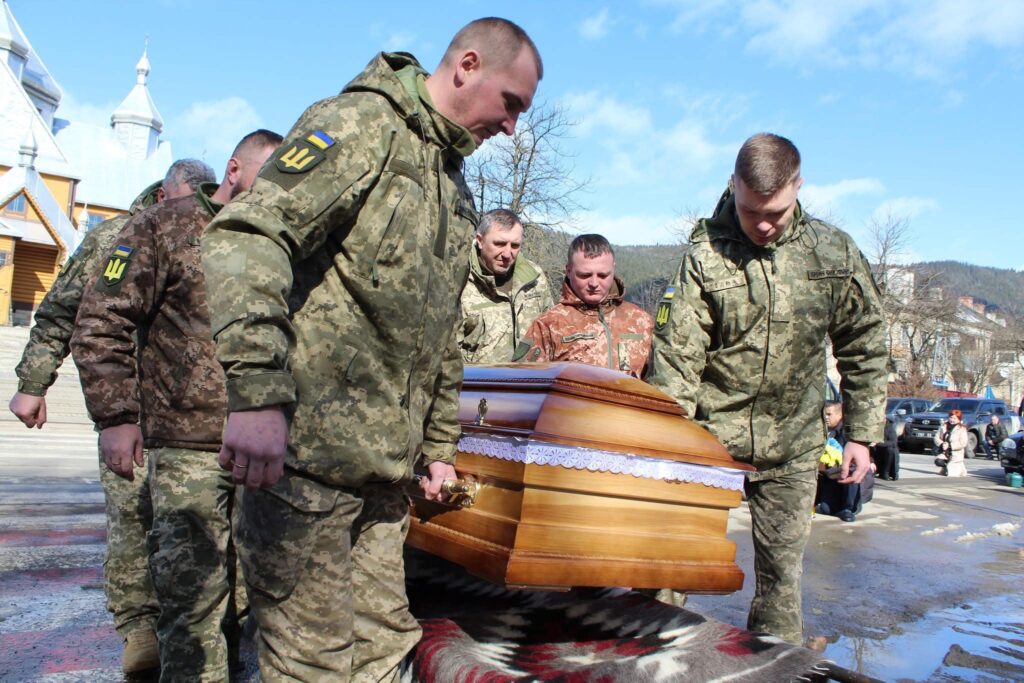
x=460 y=492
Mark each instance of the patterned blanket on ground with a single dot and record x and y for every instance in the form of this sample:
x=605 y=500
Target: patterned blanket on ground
x=476 y=632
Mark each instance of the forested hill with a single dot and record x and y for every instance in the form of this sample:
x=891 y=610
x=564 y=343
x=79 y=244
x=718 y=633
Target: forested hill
x=646 y=269
x=997 y=287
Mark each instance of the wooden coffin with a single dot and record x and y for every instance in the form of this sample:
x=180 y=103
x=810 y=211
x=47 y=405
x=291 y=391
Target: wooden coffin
x=587 y=477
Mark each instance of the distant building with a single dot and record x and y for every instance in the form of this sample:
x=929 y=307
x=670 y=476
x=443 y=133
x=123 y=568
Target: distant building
x=58 y=178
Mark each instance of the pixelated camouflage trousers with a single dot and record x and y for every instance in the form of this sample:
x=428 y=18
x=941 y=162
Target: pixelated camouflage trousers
x=780 y=515
x=326 y=580
x=193 y=564
x=126 y=582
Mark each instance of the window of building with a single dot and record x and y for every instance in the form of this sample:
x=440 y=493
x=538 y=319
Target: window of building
x=16 y=205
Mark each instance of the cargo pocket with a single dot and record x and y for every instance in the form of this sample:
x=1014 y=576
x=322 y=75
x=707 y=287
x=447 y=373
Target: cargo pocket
x=276 y=531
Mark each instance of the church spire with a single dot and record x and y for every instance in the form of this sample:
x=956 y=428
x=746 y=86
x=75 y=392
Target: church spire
x=137 y=124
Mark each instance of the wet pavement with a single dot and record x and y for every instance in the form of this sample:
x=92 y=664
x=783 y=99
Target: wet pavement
x=926 y=585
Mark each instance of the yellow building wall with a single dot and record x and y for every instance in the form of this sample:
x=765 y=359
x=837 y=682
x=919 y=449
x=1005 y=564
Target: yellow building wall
x=37 y=268
x=60 y=188
x=6 y=278
x=107 y=213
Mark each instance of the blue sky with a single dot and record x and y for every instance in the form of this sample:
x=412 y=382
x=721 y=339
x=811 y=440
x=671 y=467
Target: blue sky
x=899 y=107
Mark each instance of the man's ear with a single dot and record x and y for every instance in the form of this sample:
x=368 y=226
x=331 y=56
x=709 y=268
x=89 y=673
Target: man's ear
x=232 y=171
x=478 y=240
x=160 y=195
x=467 y=66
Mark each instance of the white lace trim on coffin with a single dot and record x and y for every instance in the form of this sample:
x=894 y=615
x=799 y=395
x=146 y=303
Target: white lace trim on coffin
x=529 y=451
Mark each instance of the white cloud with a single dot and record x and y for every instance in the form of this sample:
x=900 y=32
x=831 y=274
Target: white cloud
x=904 y=207
x=953 y=98
x=210 y=130
x=398 y=41
x=72 y=109
x=924 y=39
x=824 y=197
x=596 y=26
x=688 y=144
x=596 y=111
x=636 y=228
x=636 y=151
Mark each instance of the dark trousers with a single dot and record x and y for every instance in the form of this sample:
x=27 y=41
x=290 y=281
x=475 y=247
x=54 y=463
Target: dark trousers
x=887 y=459
x=834 y=496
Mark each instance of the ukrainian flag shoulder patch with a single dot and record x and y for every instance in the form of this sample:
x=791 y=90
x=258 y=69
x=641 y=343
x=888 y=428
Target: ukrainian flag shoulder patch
x=304 y=154
x=113 y=272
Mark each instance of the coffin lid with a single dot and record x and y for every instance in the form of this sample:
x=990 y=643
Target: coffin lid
x=585 y=406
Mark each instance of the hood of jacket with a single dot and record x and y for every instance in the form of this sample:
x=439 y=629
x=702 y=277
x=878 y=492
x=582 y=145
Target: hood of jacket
x=724 y=224
x=398 y=77
x=146 y=198
x=616 y=295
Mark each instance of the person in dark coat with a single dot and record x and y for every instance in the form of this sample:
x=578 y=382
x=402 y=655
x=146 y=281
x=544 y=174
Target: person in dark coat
x=841 y=500
x=886 y=454
x=995 y=434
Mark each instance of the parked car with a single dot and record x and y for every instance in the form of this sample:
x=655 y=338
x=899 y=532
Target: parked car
x=898 y=409
x=920 y=430
x=1011 y=453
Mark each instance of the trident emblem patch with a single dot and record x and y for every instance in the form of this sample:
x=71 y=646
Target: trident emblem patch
x=304 y=154
x=113 y=272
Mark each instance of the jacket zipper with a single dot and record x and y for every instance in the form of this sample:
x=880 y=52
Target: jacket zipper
x=608 y=337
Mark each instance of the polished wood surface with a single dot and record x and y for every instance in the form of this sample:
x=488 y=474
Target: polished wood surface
x=553 y=527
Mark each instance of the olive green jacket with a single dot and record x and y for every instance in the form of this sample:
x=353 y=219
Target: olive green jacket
x=334 y=282
x=740 y=338
x=493 y=321
x=49 y=341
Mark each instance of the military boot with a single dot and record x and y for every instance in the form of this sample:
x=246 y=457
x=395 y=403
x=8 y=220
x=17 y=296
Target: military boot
x=140 y=651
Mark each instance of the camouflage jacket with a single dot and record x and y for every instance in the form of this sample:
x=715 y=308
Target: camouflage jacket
x=152 y=281
x=616 y=334
x=740 y=338
x=49 y=341
x=493 y=320
x=334 y=282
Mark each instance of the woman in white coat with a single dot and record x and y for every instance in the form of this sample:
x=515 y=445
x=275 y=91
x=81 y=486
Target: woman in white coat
x=951 y=440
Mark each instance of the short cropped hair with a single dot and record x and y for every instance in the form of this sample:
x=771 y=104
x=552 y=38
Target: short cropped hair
x=834 y=404
x=191 y=172
x=592 y=246
x=767 y=163
x=258 y=139
x=500 y=218
x=498 y=38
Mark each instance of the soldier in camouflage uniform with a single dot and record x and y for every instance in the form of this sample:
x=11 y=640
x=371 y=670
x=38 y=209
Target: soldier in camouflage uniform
x=739 y=342
x=333 y=289
x=127 y=585
x=505 y=293
x=152 y=280
x=592 y=324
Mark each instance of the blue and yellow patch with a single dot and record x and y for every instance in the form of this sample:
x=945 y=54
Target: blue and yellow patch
x=113 y=272
x=664 y=311
x=304 y=154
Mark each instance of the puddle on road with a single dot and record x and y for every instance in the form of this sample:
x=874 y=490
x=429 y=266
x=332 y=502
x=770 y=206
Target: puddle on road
x=983 y=640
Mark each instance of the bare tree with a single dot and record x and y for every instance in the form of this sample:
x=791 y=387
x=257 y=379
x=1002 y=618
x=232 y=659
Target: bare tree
x=530 y=173
x=973 y=362
x=919 y=316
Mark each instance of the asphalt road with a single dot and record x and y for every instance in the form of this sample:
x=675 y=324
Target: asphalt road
x=926 y=585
